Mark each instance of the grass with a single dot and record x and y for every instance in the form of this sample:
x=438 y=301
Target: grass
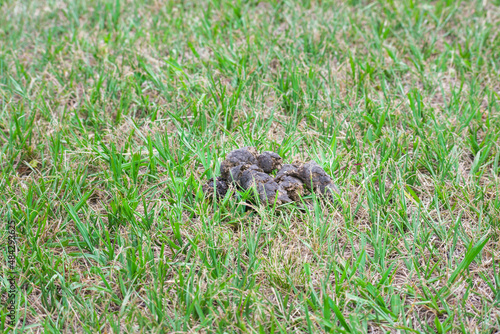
x=114 y=113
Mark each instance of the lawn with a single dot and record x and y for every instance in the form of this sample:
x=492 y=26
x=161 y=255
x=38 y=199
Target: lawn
x=113 y=114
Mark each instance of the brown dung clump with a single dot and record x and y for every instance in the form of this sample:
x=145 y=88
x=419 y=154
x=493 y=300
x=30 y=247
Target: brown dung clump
x=245 y=168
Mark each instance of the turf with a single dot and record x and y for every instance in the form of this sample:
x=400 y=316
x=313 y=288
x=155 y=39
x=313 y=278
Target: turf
x=114 y=113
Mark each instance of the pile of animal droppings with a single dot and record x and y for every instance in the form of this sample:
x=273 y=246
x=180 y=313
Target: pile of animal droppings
x=245 y=168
